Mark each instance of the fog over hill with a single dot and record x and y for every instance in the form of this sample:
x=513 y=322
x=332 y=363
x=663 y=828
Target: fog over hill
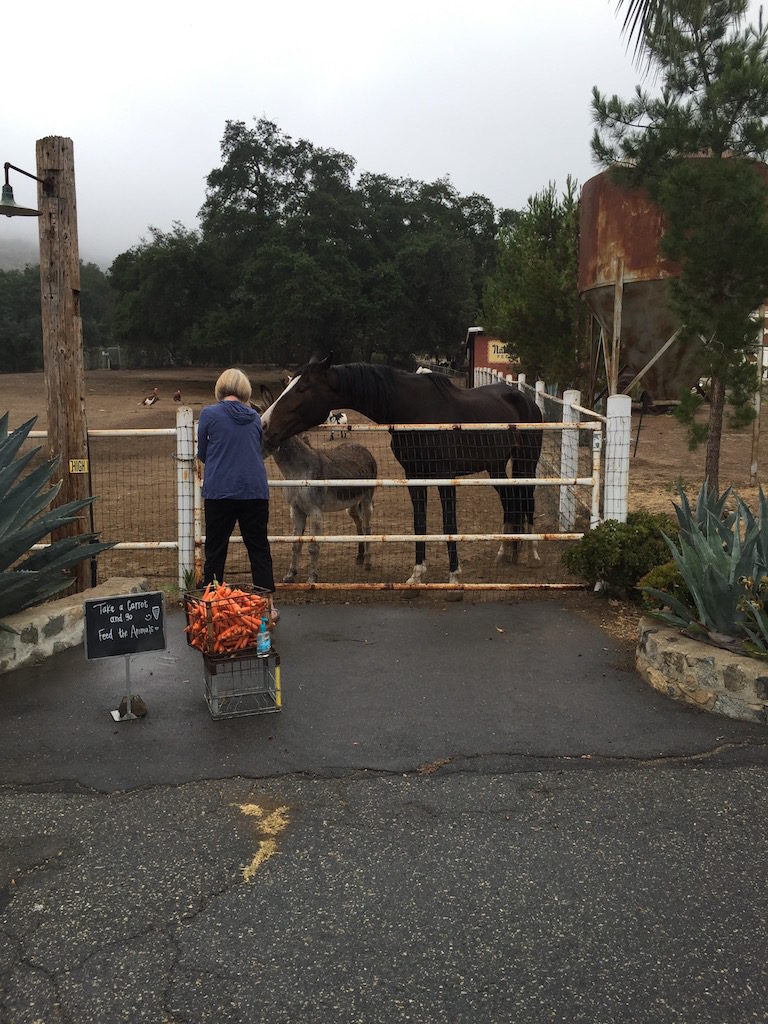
x=17 y=253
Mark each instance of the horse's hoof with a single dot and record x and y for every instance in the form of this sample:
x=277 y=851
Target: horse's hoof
x=509 y=557
x=289 y=577
x=418 y=574
x=455 y=595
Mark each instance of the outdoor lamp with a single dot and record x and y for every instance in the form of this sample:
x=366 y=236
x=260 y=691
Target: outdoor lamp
x=8 y=205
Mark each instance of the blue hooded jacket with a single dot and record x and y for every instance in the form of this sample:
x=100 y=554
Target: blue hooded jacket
x=229 y=443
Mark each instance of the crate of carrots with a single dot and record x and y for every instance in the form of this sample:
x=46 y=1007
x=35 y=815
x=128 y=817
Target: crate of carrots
x=225 y=620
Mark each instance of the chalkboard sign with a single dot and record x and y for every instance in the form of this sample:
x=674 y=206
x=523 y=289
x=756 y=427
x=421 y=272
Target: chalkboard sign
x=127 y=624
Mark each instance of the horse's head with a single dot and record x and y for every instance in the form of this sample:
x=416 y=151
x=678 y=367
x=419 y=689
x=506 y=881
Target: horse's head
x=304 y=403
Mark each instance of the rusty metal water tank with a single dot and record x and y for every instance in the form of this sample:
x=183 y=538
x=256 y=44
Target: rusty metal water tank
x=621 y=229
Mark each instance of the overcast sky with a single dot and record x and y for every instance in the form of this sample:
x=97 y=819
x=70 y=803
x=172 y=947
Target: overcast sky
x=494 y=94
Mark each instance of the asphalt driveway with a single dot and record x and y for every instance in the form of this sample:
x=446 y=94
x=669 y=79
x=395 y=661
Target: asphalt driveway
x=463 y=814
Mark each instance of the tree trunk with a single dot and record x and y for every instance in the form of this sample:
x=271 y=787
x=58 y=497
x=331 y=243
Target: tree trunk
x=715 y=434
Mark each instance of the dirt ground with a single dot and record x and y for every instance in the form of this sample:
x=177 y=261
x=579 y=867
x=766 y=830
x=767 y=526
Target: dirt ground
x=661 y=462
x=114 y=397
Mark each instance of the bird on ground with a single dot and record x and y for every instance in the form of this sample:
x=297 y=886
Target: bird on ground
x=150 y=399
x=177 y=395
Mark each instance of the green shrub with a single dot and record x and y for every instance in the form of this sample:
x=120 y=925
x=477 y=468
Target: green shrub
x=666 y=579
x=617 y=555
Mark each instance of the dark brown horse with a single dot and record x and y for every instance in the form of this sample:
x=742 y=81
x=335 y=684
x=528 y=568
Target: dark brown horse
x=390 y=396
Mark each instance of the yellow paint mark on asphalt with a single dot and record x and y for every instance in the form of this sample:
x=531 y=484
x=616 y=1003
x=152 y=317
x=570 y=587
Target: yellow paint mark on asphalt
x=270 y=824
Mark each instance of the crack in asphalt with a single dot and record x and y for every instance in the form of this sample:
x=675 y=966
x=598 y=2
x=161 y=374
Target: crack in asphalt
x=168 y=932
x=525 y=761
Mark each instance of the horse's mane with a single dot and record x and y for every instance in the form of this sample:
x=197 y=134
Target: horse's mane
x=366 y=386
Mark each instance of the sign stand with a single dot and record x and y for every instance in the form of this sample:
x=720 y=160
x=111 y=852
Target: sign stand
x=128 y=713
x=122 y=626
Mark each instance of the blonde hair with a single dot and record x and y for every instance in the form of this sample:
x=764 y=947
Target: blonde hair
x=233 y=382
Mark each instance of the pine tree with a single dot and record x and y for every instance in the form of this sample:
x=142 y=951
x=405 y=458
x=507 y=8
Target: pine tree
x=531 y=299
x=712 y=106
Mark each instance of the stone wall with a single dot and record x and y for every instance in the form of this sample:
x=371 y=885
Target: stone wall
x=699 y=674
x=49 y=628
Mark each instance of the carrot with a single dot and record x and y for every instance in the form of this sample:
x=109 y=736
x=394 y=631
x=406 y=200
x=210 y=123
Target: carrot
x=252 y=621
x=225 y=619
x=230 y=631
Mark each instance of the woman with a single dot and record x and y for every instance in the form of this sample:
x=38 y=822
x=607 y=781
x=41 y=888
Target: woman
x=235 y=488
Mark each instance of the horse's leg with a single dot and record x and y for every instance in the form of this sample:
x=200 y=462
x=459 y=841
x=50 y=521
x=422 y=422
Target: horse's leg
x=528 y=514
x=299 y=521
x=366 y=510
x=448 y=501
x=419 y=501
x=316 y=527
x=518 y=504
x=511 y=508
x=361 y=514
x=354 y=511
x=527 y=465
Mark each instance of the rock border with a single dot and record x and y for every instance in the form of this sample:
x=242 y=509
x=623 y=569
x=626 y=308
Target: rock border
x=48 y=628
x=703 y=676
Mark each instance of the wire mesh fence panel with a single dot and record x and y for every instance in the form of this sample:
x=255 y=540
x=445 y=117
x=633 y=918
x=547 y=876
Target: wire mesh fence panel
x=479 y=511
x=549 y=499
x=134 y=481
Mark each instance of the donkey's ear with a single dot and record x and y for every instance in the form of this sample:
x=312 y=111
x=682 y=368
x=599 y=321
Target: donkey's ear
x=266 y=396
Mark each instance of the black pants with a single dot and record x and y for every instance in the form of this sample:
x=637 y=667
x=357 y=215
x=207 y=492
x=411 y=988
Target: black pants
x=221 y=514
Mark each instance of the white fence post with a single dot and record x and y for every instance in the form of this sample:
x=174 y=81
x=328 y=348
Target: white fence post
x=541 y=390
x=185 y=489
x=617 y=437
x=569 y=461
x=521 y=382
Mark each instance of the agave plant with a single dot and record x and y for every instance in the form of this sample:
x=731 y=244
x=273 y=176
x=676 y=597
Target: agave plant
x=27 y=581
x=723 y=559
x=709 y=512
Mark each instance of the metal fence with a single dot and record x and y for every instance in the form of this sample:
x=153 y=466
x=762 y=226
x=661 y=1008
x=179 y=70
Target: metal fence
x=616 y=430
x=138 y=501
x=148 y=500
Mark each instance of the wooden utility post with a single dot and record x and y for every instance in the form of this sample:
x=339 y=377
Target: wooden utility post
x=63 y=332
